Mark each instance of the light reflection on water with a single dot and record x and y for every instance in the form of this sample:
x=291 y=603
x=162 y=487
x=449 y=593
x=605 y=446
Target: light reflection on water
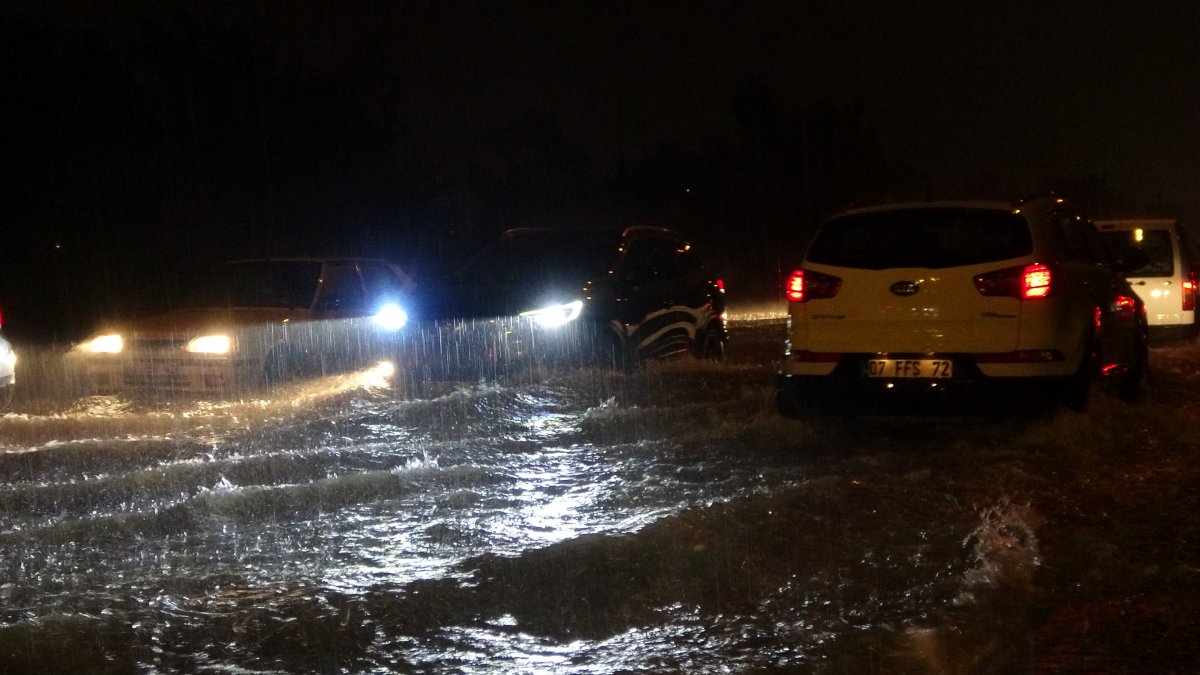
x=663 y=521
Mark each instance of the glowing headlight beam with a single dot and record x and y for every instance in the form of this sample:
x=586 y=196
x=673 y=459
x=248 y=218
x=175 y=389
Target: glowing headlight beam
x=555 y=315
x=379 y=375
x=210 y=344
x=104 y=344
x=391 y=317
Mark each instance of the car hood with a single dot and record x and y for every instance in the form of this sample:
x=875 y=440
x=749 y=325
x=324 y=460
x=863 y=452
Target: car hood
x=197 y=321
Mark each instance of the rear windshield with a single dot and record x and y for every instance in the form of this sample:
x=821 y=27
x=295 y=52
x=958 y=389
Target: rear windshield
x=929 y=238
x=1156 y=244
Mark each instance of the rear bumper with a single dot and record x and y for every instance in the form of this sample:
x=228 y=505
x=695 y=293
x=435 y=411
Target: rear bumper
x=968 y=368
x=1174 y=332
x=846 y=388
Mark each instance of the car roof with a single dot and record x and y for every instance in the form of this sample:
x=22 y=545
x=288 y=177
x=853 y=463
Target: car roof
x=988 y=205
x=1130 y=223
x=614 y=233
x=337 y=259
x=1032 y=202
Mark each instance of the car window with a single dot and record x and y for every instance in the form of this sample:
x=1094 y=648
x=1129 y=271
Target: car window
x=929 y=238
x=286 y=284
x=1156 y=244
x=341 y=288
x=381 y=281
x=652 y=259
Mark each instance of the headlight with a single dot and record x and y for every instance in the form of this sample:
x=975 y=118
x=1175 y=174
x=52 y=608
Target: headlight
x=104 y=344
x=391 y=317
x=210 y=344
x=555 y=315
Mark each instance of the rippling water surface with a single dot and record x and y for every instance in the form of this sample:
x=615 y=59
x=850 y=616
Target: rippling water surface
x=580 y=521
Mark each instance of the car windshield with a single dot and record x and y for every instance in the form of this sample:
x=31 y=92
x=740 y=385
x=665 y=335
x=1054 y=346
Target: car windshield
x=287 y=284
x=927 y=238
x=1160 y=259
x=547 y=257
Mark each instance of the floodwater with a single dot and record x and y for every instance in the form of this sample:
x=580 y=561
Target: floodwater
x=660 y=521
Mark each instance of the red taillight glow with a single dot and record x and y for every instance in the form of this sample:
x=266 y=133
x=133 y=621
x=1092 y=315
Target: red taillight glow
x=1027 y=282
x=1035 y=281
x=805 y=285
x=1189 y=292
x=721 y=285
x=1124 y=303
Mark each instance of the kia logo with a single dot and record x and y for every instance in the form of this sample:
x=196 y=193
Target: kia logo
x=904 y=288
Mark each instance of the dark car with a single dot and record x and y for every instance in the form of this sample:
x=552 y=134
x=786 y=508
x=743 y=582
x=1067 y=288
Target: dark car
x=604 y=297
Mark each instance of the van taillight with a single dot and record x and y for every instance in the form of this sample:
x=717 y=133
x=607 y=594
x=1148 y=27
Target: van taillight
x=1189 y=292
x=805 y=285
x=1027 y=282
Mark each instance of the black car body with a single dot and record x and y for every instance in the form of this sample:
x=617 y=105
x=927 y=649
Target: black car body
x=582 y=297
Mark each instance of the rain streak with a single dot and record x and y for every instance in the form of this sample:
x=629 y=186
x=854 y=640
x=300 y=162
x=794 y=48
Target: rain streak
x=591 y=521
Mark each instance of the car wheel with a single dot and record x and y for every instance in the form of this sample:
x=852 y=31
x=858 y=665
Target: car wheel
x=711 y=346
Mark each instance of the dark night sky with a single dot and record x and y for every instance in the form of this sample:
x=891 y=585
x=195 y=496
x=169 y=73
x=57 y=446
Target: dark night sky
x=1021 y=88
x=140 y=128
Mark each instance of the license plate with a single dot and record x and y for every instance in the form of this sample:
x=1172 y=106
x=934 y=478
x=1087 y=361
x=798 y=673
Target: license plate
x=910 y=368
x=152 y=369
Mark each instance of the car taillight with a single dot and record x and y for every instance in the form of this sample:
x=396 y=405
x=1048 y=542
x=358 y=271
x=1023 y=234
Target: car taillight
x=1026 y=282
x=1189 y=292
x=805 y=285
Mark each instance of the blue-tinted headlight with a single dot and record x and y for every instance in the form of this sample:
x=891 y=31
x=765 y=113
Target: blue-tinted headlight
x=555 y=315
x=390 y=317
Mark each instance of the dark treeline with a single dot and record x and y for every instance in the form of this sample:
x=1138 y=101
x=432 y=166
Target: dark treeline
x=141 y=153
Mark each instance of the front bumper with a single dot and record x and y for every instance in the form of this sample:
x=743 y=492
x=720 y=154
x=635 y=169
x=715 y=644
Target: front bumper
x=488 y=348
x=107 y=374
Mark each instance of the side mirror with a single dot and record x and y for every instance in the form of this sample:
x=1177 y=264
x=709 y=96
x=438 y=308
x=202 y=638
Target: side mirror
x=1130 y=258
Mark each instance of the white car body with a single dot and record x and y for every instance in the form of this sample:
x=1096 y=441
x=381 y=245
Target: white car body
x=322 y=315
x=1167 y=283
x=8 y=372
x=948 y=296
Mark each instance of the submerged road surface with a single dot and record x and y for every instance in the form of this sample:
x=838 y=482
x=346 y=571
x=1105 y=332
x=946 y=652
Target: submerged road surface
x=594 y=522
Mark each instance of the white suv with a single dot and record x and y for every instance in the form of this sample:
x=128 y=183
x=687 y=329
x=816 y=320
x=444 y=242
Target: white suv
x=950 y=299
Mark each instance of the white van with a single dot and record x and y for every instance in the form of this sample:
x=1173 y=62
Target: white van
x=1167 y=282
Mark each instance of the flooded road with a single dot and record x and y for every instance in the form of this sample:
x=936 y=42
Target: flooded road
x=594 y=522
